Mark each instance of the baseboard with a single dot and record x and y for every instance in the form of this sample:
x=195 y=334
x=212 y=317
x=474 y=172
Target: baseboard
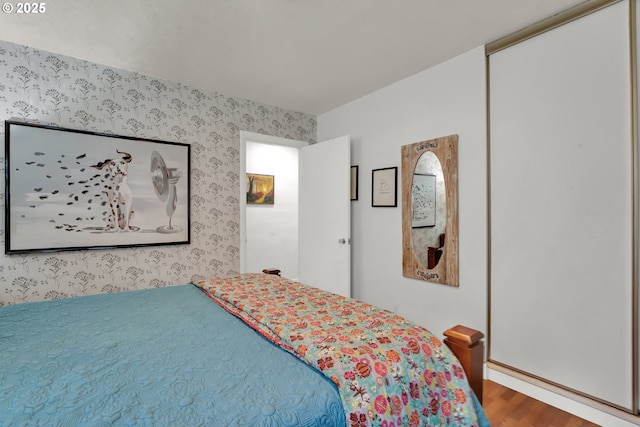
x=579 y=406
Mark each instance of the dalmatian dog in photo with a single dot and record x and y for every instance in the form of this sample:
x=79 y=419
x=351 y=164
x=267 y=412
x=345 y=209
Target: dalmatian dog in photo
x=118 y=192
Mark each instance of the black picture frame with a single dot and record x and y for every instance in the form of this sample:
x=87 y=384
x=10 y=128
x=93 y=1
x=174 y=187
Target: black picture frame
x=354 y=182
x=69 y=189
x=384 y=187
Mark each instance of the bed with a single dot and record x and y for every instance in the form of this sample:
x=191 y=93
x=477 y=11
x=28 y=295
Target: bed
x=244 y=350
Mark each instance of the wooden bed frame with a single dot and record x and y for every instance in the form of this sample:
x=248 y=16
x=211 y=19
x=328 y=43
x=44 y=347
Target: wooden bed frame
x=464 y=342
x=467 y=345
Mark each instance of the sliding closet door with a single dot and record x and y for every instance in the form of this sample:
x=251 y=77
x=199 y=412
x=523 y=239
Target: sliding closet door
x=561 y=206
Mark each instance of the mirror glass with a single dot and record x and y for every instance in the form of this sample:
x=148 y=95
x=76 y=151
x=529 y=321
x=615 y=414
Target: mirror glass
x=428 y=210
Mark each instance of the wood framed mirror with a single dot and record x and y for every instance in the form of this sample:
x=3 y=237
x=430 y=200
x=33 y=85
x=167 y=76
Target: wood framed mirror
x=430 y=210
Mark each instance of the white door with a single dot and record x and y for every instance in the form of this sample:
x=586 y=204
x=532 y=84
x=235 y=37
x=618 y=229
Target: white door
x=325 y=215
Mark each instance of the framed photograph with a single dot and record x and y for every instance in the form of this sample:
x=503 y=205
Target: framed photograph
x=69 y=189
x=383 y=187
x=423 y=201
x=260 y=189
x=354 y=182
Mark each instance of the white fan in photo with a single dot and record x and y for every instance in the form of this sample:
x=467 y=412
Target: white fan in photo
x=164 y=181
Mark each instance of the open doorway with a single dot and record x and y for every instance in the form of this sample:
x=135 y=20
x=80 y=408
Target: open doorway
x=319 y=254
x=269 y=232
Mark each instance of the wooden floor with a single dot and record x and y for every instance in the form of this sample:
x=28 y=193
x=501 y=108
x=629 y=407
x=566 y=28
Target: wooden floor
x=507 y=408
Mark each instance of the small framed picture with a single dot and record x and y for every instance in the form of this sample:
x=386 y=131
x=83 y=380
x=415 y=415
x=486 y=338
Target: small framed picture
x=384 y=183
x=354 y=182
x=260 y=189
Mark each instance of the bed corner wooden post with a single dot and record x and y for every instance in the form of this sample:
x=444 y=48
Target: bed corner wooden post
x=467 y=345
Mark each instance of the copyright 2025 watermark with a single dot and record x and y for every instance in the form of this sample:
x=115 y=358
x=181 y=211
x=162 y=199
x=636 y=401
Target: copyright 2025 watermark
x=24 y=8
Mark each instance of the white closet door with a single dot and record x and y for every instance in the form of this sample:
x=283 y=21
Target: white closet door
x=561 y=206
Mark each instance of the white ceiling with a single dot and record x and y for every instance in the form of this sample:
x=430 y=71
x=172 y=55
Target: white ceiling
x=305 y=55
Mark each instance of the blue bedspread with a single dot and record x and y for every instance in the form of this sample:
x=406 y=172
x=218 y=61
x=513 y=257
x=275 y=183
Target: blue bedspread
x=157 y=357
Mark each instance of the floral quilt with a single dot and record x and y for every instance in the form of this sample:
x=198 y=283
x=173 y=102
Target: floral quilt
x=389 y=371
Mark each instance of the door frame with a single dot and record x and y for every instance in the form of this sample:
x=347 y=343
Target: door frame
x=262 y=139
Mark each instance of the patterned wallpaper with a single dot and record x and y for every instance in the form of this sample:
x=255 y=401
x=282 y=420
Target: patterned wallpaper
x=57 y=90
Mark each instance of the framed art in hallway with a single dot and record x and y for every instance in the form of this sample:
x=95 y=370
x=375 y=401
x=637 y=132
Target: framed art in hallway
x=260 y=189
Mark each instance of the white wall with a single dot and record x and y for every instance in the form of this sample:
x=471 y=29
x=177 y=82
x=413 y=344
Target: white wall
x=443 y=100
x=270 y=227
x=449 y=98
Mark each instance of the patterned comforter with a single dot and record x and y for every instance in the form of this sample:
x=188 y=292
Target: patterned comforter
x=389 y=371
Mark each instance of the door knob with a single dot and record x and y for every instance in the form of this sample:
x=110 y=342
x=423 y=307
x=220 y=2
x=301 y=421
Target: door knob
x=342 y=241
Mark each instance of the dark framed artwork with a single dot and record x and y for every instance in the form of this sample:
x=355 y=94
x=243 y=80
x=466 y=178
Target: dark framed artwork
x=68 y=189
x=354 y=182
x=384 y=183
x=260 y=189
